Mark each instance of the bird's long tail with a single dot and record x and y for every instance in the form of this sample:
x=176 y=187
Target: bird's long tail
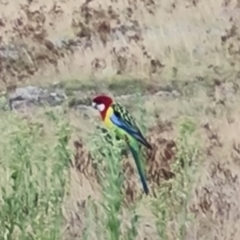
x=135 y=153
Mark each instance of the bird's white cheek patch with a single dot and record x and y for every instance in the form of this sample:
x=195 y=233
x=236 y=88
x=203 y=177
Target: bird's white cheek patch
x=101 y=107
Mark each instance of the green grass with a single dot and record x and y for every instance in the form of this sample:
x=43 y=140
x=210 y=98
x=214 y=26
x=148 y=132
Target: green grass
x=174 y=195
x=35 y=173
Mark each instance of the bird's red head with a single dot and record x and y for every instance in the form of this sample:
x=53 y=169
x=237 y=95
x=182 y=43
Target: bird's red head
x=102 y=103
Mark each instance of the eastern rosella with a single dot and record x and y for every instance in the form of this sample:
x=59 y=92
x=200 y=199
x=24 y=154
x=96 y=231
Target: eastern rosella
x=116 y=117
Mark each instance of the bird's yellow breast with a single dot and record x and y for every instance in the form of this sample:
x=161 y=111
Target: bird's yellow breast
x=109 y=124
x=107 y=120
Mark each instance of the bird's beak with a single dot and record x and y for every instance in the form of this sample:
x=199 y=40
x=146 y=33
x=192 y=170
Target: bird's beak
x=94 y=105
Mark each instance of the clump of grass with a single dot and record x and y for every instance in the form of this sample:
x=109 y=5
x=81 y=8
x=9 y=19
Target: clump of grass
x=171 y=205
x=107 y=159
x=33 y=178
x=106 y=216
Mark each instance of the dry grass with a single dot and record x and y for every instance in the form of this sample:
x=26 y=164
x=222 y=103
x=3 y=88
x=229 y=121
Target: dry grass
x=148 y=40
x=193 y=171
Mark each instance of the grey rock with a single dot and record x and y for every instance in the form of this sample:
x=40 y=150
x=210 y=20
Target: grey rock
x=32 y=96
x=27 y=93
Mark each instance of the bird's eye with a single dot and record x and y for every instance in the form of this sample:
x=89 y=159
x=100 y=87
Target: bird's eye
x=101 y=107
x=94 y=105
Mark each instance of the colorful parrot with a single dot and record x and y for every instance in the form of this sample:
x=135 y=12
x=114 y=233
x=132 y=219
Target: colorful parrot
x=116 y=117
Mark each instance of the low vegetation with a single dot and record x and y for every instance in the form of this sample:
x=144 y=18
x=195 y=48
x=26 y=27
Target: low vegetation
x=36 y=162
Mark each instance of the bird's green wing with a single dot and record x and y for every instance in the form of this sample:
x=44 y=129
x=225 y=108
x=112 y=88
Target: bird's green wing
x=122 y=118
x=137 y=158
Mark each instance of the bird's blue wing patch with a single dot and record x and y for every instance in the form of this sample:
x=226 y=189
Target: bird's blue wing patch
x=125 y=126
